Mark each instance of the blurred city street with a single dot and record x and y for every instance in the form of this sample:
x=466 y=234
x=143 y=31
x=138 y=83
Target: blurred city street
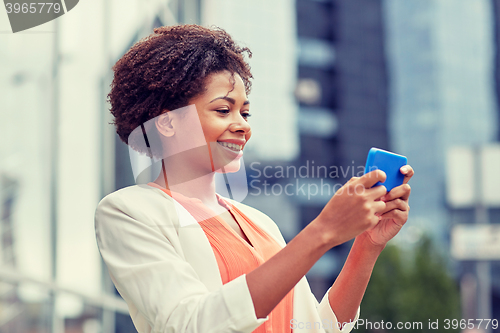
x=332 y=78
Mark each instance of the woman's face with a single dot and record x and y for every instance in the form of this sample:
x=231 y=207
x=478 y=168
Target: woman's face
x=223 y=110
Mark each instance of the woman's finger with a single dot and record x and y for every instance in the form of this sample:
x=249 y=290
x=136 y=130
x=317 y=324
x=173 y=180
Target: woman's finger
x=352 y=179
x=398 y=216
x=396 y=204
x=376 y=192
x=402 y=192
x=408 y=172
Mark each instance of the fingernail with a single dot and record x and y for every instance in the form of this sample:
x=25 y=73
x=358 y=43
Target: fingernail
x=404 y=169
x=383 y=198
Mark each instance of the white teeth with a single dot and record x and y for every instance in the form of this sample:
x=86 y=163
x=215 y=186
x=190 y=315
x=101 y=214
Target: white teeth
x=229 y=145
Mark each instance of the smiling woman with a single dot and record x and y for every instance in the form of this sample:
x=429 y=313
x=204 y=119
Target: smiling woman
x=222 y=111
x=167 y=69
x=187 y=259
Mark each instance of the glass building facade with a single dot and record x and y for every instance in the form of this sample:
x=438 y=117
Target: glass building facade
x=442 y=58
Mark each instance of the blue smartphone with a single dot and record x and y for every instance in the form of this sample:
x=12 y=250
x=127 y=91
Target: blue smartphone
x=388 y=162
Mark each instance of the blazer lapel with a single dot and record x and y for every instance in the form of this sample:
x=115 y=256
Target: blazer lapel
x=197 y=249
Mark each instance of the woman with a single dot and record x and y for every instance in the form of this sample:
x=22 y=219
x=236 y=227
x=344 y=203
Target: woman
x=186 y=259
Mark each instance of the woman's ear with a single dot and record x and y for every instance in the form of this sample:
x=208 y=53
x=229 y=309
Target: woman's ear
x=164 y=124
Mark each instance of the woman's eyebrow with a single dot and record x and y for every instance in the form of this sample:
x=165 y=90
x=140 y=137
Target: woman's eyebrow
x=229 y=99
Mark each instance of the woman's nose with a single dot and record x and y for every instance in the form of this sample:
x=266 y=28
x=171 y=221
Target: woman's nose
x=240 y=124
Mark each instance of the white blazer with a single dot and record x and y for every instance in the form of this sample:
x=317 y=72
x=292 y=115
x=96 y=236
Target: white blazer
x=163 y=266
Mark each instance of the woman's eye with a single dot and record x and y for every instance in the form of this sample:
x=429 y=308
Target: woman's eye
x=245 y=115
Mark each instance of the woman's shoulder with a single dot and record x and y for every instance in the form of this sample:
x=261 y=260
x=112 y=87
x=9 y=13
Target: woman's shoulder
x=139 y=202
x=135 y=194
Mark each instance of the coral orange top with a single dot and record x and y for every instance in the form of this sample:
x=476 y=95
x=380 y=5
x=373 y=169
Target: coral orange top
x=235 y=256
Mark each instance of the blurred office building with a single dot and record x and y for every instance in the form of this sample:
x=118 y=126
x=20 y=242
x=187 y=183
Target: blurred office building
x=442 y=57
x=442 y=92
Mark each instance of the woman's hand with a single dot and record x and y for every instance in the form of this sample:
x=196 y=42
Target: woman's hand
x=352 y=209
x=347 y=292
x=395 y=214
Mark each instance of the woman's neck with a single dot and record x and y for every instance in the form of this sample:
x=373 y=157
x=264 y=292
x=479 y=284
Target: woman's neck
x=202 y=187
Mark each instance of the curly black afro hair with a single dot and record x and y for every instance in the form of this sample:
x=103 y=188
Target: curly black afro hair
x=165 y=70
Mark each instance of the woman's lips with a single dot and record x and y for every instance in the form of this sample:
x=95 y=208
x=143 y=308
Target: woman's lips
x=231 y=148
x=230 y=145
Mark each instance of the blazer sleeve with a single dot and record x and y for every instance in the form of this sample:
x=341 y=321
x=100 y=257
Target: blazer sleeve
x=329 y=318
x=158 y=284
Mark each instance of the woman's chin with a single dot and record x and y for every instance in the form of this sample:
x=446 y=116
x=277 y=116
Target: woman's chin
x=226 y=161
x=233 y=166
